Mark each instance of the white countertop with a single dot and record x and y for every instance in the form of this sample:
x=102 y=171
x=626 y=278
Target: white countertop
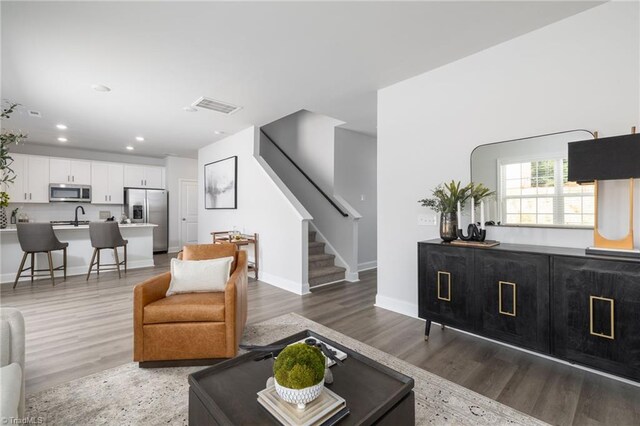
x=12 y=228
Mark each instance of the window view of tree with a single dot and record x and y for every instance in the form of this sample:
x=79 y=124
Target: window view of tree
x=538 y=193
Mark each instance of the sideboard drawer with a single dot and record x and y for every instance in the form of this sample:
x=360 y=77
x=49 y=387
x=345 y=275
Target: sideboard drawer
x=514 y=298
x=446 y=290
x=597 y=313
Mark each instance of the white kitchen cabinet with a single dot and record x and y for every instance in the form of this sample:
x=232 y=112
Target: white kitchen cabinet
x=32 y=179
x=143 y=177
x=63 y=170
x=107 y=183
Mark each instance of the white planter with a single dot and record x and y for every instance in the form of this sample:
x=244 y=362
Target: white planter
x=301 y=397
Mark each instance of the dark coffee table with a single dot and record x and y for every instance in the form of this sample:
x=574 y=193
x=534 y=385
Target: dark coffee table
x=226 y=393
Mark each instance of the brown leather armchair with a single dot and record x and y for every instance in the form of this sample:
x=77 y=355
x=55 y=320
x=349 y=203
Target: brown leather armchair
x=192 y=326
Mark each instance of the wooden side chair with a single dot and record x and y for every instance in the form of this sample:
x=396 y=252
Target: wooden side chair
x=106 y=235
x=39 y=238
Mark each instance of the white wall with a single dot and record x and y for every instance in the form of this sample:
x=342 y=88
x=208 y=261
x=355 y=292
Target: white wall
x=262 y=208
x=308 y=138
x=177 y=168
x=582 y=72
x=355 y=181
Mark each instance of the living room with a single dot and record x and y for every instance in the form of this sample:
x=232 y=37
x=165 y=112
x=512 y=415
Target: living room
x=313 y=172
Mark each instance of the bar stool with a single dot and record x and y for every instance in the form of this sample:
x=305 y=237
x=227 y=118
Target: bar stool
x=106 y=235
x=39 y=238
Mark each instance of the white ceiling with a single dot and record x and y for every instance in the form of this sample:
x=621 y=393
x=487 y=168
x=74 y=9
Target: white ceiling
x=270 y=58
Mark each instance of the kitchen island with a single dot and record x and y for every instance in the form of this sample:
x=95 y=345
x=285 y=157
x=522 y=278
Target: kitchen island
x=139 y=250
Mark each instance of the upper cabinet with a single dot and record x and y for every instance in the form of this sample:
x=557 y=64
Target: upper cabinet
x=107 y=183
x=32 y=179
x=62 y=170
x=143 y=176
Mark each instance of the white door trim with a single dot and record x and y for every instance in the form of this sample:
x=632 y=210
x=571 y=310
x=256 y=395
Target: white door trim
x=180 y=197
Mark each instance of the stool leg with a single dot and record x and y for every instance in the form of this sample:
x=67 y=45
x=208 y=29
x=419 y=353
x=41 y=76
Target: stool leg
x=64 y=262
x=115 y=254
x=33 y=265
x=125 y=258
x=24 y=259
x=53 y=280
x=98 y=266
x=93 y=258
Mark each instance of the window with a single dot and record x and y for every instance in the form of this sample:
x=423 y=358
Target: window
x=537 y=192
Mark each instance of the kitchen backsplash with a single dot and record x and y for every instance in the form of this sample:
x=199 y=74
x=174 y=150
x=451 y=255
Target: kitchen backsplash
x=64 y=211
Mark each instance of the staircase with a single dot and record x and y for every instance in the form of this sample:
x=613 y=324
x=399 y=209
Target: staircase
x=322 y=268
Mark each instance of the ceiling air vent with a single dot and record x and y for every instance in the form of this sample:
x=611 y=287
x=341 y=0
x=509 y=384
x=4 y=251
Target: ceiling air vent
x=33 y=113
x=218 y=106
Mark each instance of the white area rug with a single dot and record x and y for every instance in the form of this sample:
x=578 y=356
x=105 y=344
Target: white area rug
x=128 y=395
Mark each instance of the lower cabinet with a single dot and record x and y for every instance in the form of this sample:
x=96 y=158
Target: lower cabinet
x=446 y=286
x=578 y=308
x=596 y=314
x=514 y=298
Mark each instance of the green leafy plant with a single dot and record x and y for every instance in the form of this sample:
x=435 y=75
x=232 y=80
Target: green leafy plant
x=4 y=199
x=480 y=192
x=7 y=138
x=446 y=197
x=299 y=366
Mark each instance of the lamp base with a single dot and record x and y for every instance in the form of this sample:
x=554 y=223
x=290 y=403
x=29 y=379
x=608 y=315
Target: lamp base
x=598 y=251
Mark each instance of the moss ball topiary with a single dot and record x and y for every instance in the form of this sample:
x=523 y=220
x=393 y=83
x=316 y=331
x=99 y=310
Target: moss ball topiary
x=299 y=366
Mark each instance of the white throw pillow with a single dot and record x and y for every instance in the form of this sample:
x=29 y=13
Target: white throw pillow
x=10 y=386
x=199 y=276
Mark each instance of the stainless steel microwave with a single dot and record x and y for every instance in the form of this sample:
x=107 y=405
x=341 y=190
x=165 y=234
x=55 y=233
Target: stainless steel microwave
x=71 y=193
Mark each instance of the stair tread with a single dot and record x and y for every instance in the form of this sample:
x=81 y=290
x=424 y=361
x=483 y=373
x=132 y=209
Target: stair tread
x=325 y=270
x=316 y=244
x=323 y=256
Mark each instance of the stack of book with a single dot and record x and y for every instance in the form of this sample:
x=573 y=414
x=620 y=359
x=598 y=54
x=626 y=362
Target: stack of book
x=325 y=410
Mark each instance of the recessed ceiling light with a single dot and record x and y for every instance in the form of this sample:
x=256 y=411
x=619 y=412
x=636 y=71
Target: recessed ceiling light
x=218 y=132
x=130 y=148
x=61 y=126
x=189 y=109
x=62 y=139
x=100 y=88
x=139 y=138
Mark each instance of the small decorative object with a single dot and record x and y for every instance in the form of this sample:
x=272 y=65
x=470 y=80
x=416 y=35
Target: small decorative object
x=220 y=184
x=299 y=372
x=445 y=199
x=14 y=216
x=475 y=231
x=4 y=203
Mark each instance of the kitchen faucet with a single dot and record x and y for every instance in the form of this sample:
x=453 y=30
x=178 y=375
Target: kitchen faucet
x=75 y=222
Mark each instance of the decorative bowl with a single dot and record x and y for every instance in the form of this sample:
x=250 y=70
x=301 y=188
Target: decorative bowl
x=301 y=397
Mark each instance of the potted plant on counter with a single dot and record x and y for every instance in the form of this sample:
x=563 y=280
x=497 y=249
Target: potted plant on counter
x=299 y=374
x=7 y=175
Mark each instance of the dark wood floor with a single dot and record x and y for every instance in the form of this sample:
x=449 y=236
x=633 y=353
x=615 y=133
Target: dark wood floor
x=78 y=328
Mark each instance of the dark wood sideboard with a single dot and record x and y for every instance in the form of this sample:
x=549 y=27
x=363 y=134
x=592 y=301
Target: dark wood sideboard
x=552 y=300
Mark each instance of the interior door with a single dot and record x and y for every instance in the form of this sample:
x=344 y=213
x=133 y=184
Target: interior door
x=188 y=212
x=157 y=214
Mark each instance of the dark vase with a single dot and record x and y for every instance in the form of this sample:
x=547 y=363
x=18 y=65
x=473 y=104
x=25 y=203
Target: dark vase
x=448 y=226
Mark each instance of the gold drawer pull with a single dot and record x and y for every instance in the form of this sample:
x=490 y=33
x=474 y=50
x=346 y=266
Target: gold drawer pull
x=611 y=318
x=448 y=276
x=514 y=290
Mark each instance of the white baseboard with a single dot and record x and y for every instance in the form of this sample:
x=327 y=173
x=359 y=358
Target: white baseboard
x=175 y=249
x=6 y=279
x=365 y=266
x=395 y=305
x=351 y=277
x=411 y=310
x=284 y=283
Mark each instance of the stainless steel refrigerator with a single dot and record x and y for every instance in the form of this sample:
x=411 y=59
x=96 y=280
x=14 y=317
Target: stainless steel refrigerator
x=150 y=206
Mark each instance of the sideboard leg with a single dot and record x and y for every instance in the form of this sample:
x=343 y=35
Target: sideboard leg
x=427 y=329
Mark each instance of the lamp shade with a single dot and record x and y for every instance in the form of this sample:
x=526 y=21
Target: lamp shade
x=617 y=157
